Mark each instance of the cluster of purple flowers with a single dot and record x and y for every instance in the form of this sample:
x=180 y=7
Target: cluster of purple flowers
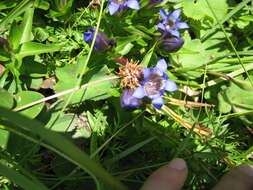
x=154 y=83
x=169 y=28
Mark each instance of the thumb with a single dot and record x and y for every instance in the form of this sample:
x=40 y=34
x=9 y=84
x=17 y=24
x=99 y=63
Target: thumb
x=169 y=177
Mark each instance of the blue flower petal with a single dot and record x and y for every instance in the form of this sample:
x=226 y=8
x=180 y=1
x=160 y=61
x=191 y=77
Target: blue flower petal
x=176 y=14
x=139 y=92
x=174 y=33
x=113 y=7
x=162 y=65
x=161 y=27
x=163 y=14
x=146 y=73
x=170 y=86
x=158 y=102
x=87 y=37
x=133 y=4
x=182 y=25
x=128 y=101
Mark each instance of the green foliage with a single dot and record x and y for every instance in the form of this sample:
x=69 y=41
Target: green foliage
x=26 y=97
x=61 y=121
x=198 y=9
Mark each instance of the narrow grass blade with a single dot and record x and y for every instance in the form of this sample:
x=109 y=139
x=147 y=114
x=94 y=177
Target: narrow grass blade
x=63 y=146
x=20 y=179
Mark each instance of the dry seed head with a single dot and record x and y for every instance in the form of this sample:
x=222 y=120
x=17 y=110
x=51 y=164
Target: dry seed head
x=130 y=74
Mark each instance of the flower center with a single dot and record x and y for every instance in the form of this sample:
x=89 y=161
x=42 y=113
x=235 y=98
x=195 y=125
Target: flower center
x=171 y=23
x=153 y=85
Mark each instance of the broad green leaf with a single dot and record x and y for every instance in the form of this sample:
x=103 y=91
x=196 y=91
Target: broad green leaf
x=243 y=84
x=32 y=68
x=68 y=78
x=125 y=49
x=7 y=100
x=61 y=8
x=148 y=56
x=26 y=97
x=22 y=33
x=58 y=144
x=124 y=45
x=224 y=106
x=4 y=137
x=238 y=98
x=34 y=48
x=74 y=125
x=26 y=26
x=19 y=179
x=191 y=56
x=41 y=4
x=199 y=9
x=14 y=35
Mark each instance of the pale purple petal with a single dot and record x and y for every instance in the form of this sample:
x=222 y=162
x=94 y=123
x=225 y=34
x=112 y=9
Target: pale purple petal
x=160 y=26
x=113 y=7
x=128 y=101
x=170 y=86
x=176 y=14
x=182 y=25
x=174 y=33
x=162 y=65
x=146 y=73
x=139 y=92
x=133 y=4
x=163 y=14
x=158 y=102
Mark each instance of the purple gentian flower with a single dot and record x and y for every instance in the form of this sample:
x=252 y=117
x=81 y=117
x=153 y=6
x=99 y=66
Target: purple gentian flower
x=171 y=23
x=118 y=5
x=171 y=43
x=102 y=42
x=128 y=101
x=154 y=84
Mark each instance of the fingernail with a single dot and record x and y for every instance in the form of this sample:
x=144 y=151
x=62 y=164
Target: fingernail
x=178 y=164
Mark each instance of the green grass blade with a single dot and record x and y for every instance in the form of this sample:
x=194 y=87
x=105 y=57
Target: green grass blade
x=229 y=15
x=130 y=150
x=20 y=179
x=230 y=42
x=18 y=10
x=63 y=146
